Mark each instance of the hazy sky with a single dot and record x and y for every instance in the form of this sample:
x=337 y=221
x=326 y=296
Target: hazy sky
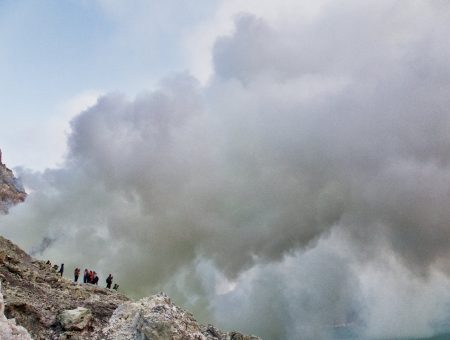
x=56 y=57
x=282 y=169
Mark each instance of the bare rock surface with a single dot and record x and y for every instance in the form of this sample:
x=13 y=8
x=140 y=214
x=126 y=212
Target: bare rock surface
x=49 y=306
x=11 y=190
x=8 y=328
x=156 y=317
x=75 y=319
x=40 y=299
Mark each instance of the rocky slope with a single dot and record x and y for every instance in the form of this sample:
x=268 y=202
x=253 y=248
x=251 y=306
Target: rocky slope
x=52 y=307
x=8 y=328
x=37 y=303
x=156 y=317
x=11 y=191
x=37 y=297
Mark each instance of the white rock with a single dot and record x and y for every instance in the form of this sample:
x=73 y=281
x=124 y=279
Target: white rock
x=75 y=319
x=8 y=328
x=152 y=317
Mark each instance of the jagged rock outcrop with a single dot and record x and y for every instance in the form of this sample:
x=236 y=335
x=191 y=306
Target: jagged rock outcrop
x=75 y=319
x=8 y=328
x=49 y=306
x=11 y=190
x=156 y=317
x=38 y=297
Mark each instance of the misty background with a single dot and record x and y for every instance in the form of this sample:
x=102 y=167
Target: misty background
x=303 y=186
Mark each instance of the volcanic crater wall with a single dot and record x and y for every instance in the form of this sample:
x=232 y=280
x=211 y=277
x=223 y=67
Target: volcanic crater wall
x=11 y=190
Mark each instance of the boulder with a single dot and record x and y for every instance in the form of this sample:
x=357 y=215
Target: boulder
x=39 y=302
x=8 y=328
x=156 y=317
x=75 y=319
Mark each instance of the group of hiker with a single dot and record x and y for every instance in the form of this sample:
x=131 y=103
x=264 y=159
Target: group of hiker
x=89 y=276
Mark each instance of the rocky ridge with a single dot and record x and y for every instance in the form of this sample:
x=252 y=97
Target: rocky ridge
x=37 y=303
x=37 y=297
x=49 y=306
x=156 y=317
x=11 y=191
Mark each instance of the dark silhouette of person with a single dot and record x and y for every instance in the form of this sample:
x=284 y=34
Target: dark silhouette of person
x=61 y=269
x=109 y=281
x=86 y=276
x=76 y=274
x=95 y=279
x=116 y=286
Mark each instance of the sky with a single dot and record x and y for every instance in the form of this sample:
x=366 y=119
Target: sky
x=277 y=168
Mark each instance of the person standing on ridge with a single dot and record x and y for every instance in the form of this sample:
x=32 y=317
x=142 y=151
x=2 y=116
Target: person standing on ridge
x=76 y=274
x=109 y=281
x=61 y=270
x=95 y=279
x=86 y=276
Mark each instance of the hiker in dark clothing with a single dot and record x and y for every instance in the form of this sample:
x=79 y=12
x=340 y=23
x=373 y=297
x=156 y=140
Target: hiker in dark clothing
x=61 y=270
x=109 y=281
x=76 y=273
x=85 y=276
x=95 y=279
x=116 y=286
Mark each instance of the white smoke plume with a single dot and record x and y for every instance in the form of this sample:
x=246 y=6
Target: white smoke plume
x=304 y=187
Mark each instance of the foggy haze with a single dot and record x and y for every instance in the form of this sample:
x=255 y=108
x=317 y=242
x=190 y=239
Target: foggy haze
x=305 y=186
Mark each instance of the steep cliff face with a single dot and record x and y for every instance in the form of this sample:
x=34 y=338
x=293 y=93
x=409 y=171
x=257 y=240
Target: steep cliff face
x=11 y=190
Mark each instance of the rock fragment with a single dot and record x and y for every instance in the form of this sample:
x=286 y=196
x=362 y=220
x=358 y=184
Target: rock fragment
x=75 y=319
x=156 y=317
x=8 y=328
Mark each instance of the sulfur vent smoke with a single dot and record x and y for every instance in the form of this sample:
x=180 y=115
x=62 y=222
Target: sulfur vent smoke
x=314 y=163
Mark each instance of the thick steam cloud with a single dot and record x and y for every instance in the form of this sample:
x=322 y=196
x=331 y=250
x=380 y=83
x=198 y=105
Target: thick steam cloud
x=338 y=126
